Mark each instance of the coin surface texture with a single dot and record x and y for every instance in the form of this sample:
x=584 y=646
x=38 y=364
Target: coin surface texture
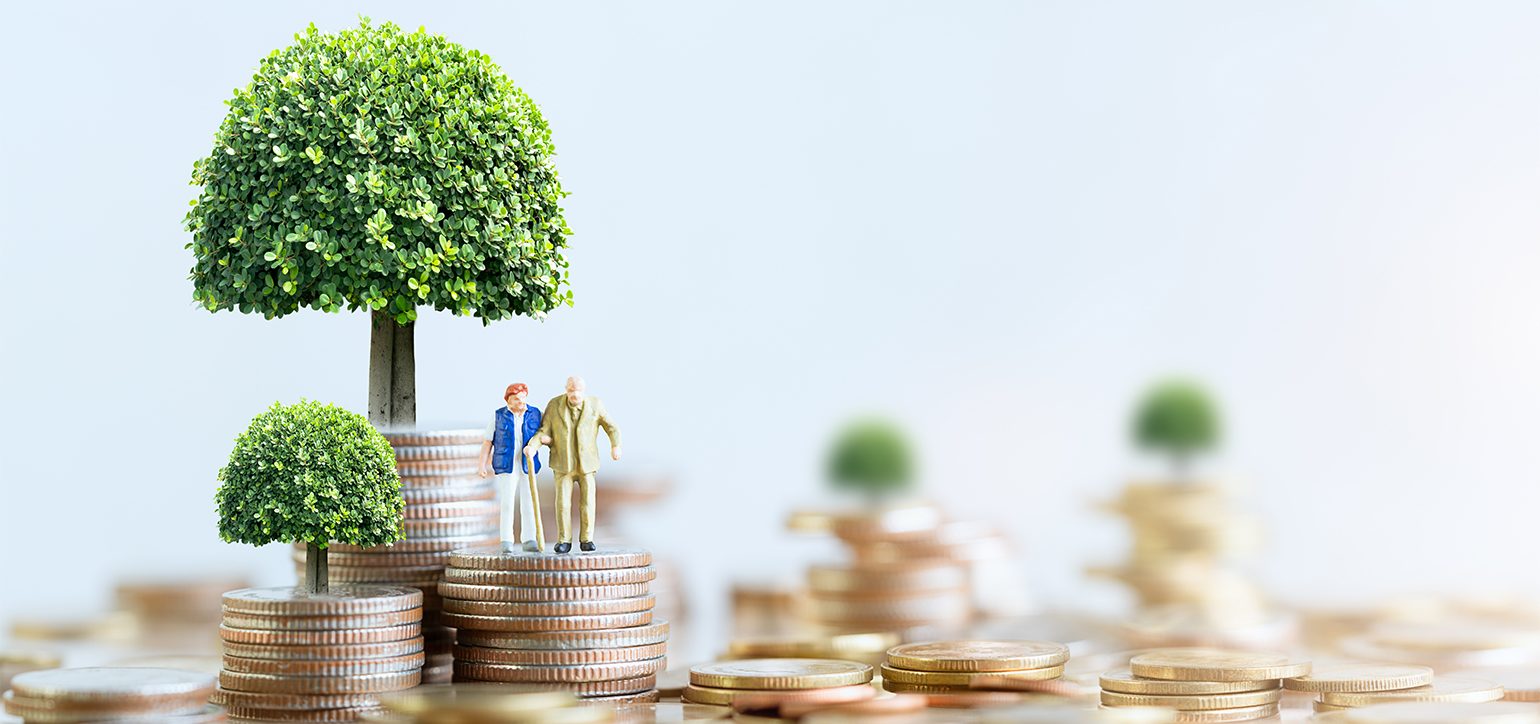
x=1219 y=716
x=1194 y=703
x=780 y=674
x=1443 y=688
x=559 y=674
x=1202 y=664
x=744 y=699
x=347 y=637
x=259 y=700
x=551 y=579
x=653 y=633
x=1519 y=683
x=347 y=667
x=323 y=623
x=1123 y=681
x=492 y=558
x=109 y=683
x=1437 y=712
x=544 y=623
x=340 y=600
x=533 y=594
x=600 y=607
x=574 y=657
x=355 y=684
x=964 y=679
x=1361 y=676
x=972 y=656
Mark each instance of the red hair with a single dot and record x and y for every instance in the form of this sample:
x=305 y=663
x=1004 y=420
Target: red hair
x=515 y=387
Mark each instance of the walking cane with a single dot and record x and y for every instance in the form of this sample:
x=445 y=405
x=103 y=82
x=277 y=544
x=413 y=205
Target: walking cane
x=534 y=497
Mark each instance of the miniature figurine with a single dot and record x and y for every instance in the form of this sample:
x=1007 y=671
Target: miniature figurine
x=510 y=428
x=570 y=426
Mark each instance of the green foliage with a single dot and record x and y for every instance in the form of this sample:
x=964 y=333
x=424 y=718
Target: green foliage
x=871 y=456
x=383 y=170
x=310 y=472
x=1177 y=417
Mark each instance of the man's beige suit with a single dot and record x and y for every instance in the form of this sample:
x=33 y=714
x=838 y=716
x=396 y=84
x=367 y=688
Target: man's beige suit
x=574 y=457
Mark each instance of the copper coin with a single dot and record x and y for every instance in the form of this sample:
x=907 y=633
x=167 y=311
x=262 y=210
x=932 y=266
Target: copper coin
x=345 y=637
x=768 y=674
x=339 y=601
x=385 y=650
x=492 y=558
x=400 y=575
x=436 y=469
x=463 y=436
x=550 y=579
x=583 y=688
x=242 y=714
x=601 y=607
x=476 y=509
x=355 y=684
x=561 y=674
x=532 y=594
x=544 y=623
x=289 y=702
x=418 y=546
x=485 y=655
x=378 y=560
x=447 y=494
x=324 y=668
x=438 y=452
x=445 y=527
x=653 y=633
x=113 y=684
x=323 y=623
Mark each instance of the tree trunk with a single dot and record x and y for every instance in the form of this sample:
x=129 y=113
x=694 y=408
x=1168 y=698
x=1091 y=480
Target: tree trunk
x=315 y=569
x=392 y=373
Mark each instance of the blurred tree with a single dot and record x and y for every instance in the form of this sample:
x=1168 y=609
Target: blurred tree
x=871 y=457
x=1177 y=418
x=313 y=473
x=375 y=169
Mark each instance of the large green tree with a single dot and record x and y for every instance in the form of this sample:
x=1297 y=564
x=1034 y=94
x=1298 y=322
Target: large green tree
x=382 y=170
x=314 y=473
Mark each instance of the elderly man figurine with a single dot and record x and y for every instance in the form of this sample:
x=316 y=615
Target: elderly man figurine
x=510 y=428
x=570 y=426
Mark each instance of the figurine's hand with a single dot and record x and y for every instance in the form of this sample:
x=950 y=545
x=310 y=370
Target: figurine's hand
x=482 y=470
x=615 y=453
x=531 y=449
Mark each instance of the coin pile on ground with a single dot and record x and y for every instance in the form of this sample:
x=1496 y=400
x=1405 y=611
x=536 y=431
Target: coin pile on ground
x=447 y=507
x=70 y=696
x=957 y=667
x=581 y=622
x=1203 y=685
x=770 y=684
x=293 y=656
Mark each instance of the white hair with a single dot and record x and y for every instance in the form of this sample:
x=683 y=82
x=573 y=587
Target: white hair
x=575 y=383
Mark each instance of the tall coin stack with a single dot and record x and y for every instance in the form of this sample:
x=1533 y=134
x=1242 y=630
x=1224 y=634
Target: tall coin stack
x=448 y=506
x=1203 y=685
x=947 y=667
x=293 y=656
x=75 y=696
x=580 y=622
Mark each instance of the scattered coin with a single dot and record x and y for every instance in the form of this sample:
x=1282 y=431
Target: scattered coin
x=1193 y=703
x=1123 y=681
x=964 y=679
x=976 y=656
x=761 y=674
x=1443 y=688
x=1201 y=664
x=1519 y=684
x=1361 y=676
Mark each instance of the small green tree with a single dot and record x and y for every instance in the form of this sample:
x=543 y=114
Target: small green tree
x=871 y=457
x=376 y=169
x=313 y=473
x=1179 y=419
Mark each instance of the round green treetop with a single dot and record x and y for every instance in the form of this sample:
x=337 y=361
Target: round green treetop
x=310 y=472
x=871 y=456
x=1177 y=417
x=378 y=169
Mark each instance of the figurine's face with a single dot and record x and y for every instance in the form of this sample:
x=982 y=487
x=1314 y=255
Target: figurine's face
x=574 y=395
x=516 y=400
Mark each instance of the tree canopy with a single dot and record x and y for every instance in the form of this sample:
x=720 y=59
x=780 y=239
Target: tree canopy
x=872 y=457
x=310 y=472
x=1177 y=417
x=372 y=168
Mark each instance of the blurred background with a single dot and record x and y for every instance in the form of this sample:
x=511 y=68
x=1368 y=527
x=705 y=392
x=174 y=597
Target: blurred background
x=994 y=224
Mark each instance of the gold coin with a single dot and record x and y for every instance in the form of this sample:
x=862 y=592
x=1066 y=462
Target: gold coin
x=1519 y=684
x=764 y=674
x=1443 y=688
x=559 y=674
x=964 y=679
x=544 y=623
x=974 y=656
x=599 y=607
x=1435 y=712
x=653 y=633
x=1201 y=664
x=355 y=684
x=1324 y=707
x=492 y=558
x=1123 y=681
x=1218 y=716
x=1194 y=703
x=769 y=699
x=1361 y=676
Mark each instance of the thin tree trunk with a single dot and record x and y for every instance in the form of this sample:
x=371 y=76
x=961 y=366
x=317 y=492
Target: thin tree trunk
x=392 y=372
x=315 y=569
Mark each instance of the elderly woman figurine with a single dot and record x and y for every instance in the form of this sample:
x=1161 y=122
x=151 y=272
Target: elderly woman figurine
x=510 y=428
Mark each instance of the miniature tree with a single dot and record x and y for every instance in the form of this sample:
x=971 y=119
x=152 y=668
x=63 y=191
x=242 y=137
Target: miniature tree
x=375 y=169
x=871 y=457
x=313 y=473
x=1179 y=419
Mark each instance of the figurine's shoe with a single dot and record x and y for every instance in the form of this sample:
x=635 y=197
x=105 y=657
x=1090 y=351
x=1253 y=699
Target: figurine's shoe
x=563 y=547
x=586 y=545
x=531 y=546
x=508 y=546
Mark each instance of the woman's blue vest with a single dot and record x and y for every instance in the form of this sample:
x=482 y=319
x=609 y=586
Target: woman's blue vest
x=504 y=437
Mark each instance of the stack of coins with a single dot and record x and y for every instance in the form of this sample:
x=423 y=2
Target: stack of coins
x=950 y=667
x=1359 y=677
x=759 y=684
x=1519 y=683
x=448 y=506
x=294 y=656
x=1439 y=688
x=1203 y=685
x=581 y=622
x=71 y=696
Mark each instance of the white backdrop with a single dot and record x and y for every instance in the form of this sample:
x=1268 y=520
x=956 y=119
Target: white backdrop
x=995 y=222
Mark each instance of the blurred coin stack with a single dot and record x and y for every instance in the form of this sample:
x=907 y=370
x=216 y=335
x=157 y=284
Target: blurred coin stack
x=68 y=696
x=580 y=622
x=448 y=506
x=1187 y=540
x=950 y=667
x=1203 y=685
x=867 y=648
x=293 y=656
x=487 y=704
x=759 y=684
x=1447 y=645
x=175 y=615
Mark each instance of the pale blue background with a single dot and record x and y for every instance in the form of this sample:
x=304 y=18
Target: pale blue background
x=993 y=221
